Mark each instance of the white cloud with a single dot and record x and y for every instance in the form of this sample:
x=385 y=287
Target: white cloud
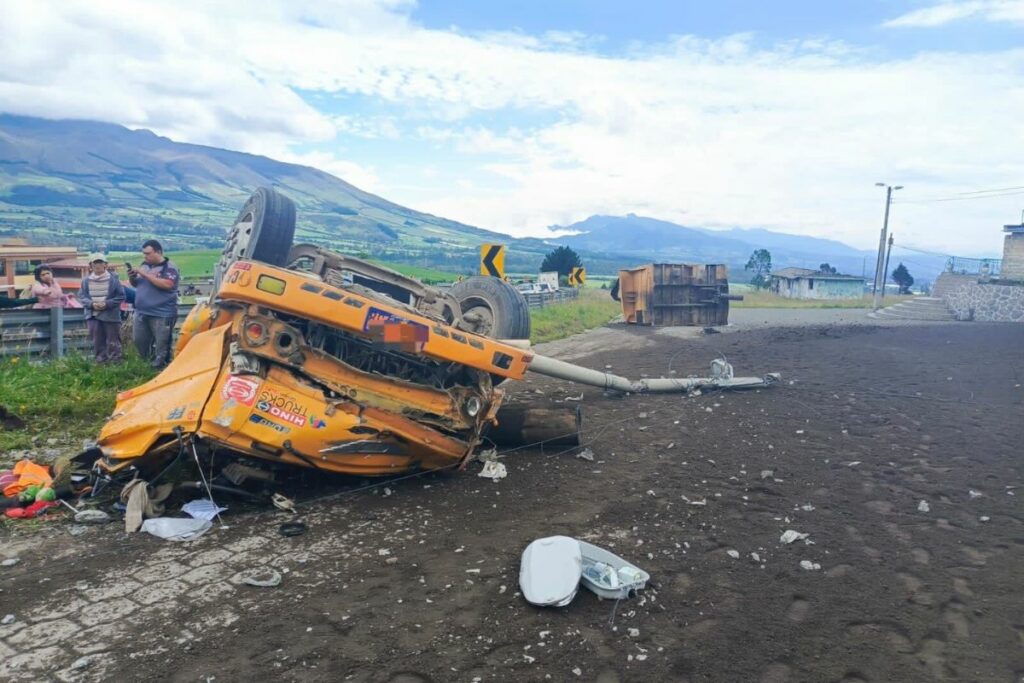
x=945 y=12
x=706 y=132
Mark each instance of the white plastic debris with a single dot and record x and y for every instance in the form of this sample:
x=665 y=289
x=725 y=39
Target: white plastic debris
x=974 y=494
x=92 y=517
x=283 y=502
x=203 y=508
x=757 y=558
x=765 y=474
x=634 y=633
x=923 y=506
x=550 y=570
x=789 y=535
x=8 y=619
x=809 y=566
x=984 y=518
x=734 y=554
x=493 y=470
x=586 y=454
x=176 y=529
x=10 y=562
x=81 y=663
x=807 y=507
x=263 y=578
x=578 y=671
x=608 y=575
x=853 y=464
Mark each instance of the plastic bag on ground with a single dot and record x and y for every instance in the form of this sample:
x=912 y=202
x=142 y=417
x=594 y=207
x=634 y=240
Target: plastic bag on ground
x=176 y=529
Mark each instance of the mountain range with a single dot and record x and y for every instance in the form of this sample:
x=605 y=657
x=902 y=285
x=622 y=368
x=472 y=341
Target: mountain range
x=101 y=185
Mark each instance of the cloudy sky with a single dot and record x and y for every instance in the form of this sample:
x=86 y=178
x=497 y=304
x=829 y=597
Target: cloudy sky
x=731 y=113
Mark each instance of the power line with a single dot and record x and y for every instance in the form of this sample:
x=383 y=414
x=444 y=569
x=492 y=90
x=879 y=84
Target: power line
x=1001 y=189
x=959 y=198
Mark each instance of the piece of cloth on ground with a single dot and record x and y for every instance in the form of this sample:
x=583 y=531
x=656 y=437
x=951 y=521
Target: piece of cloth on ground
x=176 y=528
x=203 y=508
x=29 y=474
x=139 y=504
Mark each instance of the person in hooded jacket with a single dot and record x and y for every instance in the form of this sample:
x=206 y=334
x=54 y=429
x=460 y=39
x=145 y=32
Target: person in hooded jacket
x=102 y=294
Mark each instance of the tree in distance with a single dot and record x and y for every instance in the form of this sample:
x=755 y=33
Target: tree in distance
x=903 y=278
x=562 y=259
x=761 y=264
x=827 y=269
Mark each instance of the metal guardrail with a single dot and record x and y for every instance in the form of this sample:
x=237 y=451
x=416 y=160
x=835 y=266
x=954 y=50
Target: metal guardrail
x=52 y=332
x=55 y=331
x=974 y=266
x=545 y=299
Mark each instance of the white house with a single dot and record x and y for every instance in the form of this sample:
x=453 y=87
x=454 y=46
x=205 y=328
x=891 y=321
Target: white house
x=804 y=283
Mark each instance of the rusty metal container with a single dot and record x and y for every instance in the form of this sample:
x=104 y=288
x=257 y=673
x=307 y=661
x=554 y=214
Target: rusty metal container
x=676 y=294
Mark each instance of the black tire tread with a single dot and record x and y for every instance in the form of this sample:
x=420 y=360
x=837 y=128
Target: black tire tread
x=508 y=305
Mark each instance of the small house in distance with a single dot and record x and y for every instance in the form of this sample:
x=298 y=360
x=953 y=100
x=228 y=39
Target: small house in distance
x=804 y=283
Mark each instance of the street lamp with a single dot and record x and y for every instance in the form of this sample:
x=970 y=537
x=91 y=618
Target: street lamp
x=879 y=287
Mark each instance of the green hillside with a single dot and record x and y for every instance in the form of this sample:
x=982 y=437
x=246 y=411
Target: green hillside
x=102 y=186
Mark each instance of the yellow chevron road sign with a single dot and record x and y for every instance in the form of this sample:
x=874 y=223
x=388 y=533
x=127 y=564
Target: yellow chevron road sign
x=492 y=260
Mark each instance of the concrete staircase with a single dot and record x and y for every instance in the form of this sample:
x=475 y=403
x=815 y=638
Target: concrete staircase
x=918 y=308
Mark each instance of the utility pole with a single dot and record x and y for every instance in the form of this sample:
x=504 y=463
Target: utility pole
x=880 y=262
x=885 y=269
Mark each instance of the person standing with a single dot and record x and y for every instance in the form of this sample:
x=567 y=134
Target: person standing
x=102 y=295
x=156 y=304
x=45 y=289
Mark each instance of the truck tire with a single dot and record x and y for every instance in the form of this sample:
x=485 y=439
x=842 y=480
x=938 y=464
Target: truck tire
x=263 y=231
x=492 y=308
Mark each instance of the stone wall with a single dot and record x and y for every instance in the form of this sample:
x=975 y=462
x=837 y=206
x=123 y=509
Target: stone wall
x=949 y=282
x=1013 y=257
x=987 y=302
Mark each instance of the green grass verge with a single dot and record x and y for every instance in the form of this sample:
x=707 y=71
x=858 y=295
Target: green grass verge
x=67 y=398
x=593 y=308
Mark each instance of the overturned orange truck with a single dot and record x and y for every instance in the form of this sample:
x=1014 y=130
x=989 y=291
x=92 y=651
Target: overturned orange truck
x=306 y=357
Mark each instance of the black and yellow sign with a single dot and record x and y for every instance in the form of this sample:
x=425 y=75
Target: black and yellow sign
x=492 y=260
x=578 y=276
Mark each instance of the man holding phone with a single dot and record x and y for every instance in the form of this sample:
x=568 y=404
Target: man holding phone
x=156 y=303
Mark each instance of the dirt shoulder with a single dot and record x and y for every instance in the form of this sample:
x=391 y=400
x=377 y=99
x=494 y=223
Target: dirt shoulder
x=417 y=579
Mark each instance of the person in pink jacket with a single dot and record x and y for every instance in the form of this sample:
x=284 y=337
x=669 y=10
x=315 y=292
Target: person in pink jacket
x=46 y=289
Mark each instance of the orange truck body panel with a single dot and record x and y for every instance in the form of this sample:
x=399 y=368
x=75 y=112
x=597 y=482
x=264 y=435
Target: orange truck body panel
x=306 y=407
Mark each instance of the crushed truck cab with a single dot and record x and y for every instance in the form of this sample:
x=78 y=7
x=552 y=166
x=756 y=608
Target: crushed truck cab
x=371 y=374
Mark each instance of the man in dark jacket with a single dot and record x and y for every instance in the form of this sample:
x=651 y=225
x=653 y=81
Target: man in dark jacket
x=156 y=303
x=102 y=294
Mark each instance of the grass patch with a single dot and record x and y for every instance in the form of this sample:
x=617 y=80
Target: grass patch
x=199 y=263
x=427 y=276
x=753 y=298
x=69 y=397
x=593 y=308
x=194 y=264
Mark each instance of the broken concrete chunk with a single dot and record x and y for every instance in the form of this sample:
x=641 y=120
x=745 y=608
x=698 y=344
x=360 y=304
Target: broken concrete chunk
x=809 y=566
x=789 y=535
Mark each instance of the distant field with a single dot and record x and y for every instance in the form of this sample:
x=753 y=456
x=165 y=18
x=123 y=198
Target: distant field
x=198 y=264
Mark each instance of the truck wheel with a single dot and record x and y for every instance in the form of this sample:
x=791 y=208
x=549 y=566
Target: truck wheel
x=263 y=231
x=492 y=308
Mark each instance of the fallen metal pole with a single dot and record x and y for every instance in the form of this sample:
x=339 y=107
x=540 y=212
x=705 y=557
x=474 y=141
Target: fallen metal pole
x=722 y=378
